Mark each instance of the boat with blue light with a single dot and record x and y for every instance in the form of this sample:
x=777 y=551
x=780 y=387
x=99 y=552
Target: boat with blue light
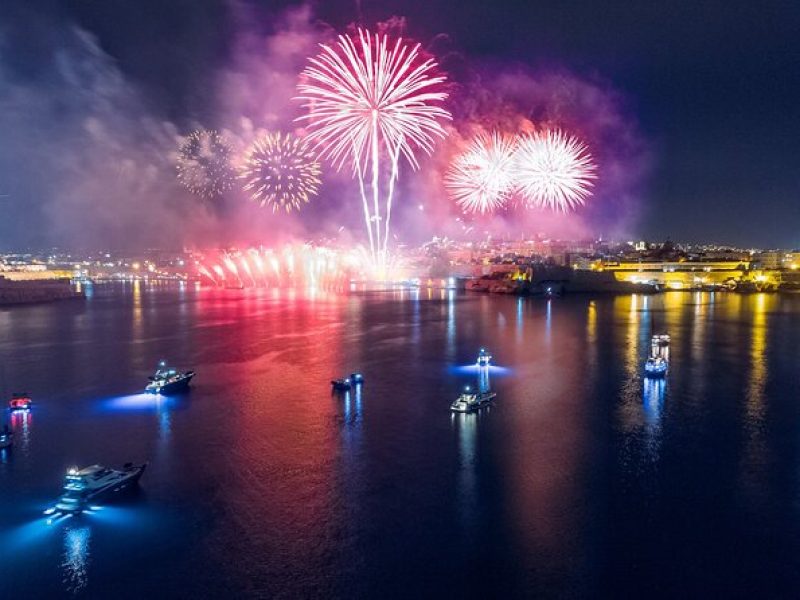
x=470 y=401
x=657 y=364
x=655 y=367
x=94 y=484
x=484 y=358
x=168 y=381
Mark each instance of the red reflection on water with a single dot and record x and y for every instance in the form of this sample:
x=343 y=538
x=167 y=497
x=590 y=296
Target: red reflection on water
x=278 y=492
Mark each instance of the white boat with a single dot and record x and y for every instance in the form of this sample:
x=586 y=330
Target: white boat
x=484 y=358
x=470 y=401
x=94 y=484
x=168 y=381
x=657 y=363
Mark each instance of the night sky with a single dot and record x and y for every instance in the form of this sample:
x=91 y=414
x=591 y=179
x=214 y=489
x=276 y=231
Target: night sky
x=714 y=87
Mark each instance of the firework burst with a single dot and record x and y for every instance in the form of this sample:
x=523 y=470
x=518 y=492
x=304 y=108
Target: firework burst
x=368 y=98
x=204 y=164
x=553 y=170
x=482 y=179
x=280 y=171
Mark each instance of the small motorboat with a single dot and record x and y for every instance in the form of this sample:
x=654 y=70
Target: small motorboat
x=658 y=361
x=168 y=381
x=346 y=383
x=470 y=401
x=6 y=438
x=91 y=485
x=20 y=401
x=341 y=385
x=484 y=358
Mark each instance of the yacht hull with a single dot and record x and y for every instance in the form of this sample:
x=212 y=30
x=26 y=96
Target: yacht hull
x=172 y=387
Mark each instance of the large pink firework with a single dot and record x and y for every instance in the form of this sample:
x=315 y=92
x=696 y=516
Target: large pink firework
x=370 y=98
x=553 y=170
x=481 y=179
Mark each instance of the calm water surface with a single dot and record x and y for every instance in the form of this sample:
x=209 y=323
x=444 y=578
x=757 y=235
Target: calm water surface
x=583 y=480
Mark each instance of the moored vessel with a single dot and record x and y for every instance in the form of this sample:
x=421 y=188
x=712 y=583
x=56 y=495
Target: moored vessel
x=470 y=401
x=94 y=484
x=341 y=385
x=484 y=358
x=657 y=363
x=20 y=401
x=344 y=384
x=168 y=381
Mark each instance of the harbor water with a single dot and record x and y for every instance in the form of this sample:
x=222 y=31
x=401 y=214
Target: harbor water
x=582 y=479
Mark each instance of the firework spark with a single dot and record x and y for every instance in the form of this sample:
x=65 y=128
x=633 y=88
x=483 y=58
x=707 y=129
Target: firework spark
x=367 y=97
x=204 y=164
x=553 y=170
x=280 y=171
x=481 y=179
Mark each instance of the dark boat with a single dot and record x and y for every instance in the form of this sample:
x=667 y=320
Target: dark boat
x=168 y=381
x=20 y=402
x=341 y=385
x=95 y=484
x=347 y=383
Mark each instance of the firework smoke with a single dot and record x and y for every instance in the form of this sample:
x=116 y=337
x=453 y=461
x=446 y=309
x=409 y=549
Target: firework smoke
x=204 y=164
x=280 y=171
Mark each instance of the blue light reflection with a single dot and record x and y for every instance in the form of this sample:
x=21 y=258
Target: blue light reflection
x=474 y=369
x=139 y=402
x=76 y=558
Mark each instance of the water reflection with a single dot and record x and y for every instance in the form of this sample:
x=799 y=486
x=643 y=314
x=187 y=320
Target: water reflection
x=352 y=406
x=137 y=309
x=653 y=405
x=756 y=450
x=548 y=320
x=21 y=426
x=75 y=563
x=465 y=426
x=451 y=326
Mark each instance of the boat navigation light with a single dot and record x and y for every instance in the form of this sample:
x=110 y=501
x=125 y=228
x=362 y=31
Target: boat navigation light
x=72 y=471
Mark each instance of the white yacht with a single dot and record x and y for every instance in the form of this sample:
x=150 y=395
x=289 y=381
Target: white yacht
x=484 y=358
x=470 y=401
x=94 y=484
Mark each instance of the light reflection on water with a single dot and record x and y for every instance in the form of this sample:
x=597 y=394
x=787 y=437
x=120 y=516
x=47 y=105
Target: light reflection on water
x=274 y=488
x=465 y=426
x=75 y=562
